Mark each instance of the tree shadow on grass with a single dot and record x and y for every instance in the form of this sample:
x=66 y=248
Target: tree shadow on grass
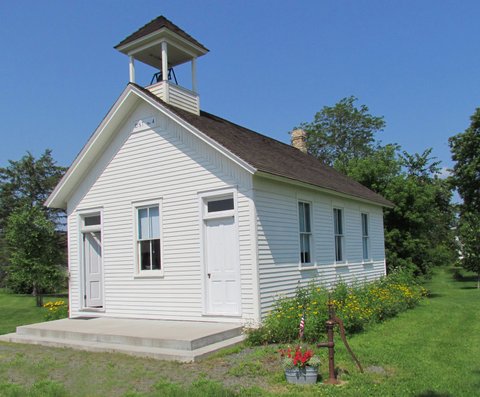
x=458 y=276
x=434 y=295
x=470 y=287
x=431 y=393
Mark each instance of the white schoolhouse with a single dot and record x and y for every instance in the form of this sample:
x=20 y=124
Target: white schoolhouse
x=175 y=213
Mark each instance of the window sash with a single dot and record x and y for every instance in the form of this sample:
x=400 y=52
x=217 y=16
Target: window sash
x=304 y=217
x=365 y=236
x=338 y=233
x=148 y=238
x=365 y=248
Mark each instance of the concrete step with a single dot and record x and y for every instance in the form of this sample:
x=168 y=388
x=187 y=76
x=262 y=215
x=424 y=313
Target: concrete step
x=160 y=353
x=123 y=336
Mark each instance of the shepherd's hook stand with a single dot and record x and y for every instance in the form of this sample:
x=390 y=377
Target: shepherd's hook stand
x=330 y=344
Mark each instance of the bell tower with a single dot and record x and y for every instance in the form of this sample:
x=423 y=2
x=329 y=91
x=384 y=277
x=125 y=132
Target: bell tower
x=163 y=45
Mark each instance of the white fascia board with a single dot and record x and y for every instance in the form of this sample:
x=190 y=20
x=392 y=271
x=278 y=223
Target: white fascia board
x=150 y=39
x=295 y=182
x=93 y=147
x=196 y=132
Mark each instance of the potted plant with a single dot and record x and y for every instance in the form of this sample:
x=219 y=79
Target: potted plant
x=301 y=367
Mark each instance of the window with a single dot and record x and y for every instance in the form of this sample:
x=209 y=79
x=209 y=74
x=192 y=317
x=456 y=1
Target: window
x=365 y=237
x=220 y=205
x=338 y=231
x=305 y=232
x=91 y=220
x=148 y=238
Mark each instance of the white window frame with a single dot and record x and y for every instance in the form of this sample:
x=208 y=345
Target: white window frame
x=219 y=214
x=339 y=236
x=309 y=234
x=365 y=237
x=135 y=207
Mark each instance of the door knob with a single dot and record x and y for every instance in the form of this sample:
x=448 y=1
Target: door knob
x=209 y=274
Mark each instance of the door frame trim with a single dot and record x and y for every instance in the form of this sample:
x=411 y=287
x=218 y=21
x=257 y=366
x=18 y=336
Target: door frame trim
x=81 y=214
x=203 y=198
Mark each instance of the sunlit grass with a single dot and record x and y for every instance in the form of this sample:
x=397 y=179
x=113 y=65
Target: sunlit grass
x=429 y=351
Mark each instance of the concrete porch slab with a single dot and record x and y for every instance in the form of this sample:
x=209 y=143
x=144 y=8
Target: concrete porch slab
x=168 y=340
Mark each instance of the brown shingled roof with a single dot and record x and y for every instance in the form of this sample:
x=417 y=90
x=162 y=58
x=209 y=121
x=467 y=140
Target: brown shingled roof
x=157 y=24
x=271 y=156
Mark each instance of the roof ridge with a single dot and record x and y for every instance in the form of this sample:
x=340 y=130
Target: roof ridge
x=162 y=21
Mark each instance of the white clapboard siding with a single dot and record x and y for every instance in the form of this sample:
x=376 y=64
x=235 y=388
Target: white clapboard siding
x=169 y=164
x=177 y=96
x=278 y=240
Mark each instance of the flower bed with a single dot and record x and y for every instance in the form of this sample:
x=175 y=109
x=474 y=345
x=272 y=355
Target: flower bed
x=55 y=310
x=357 y=305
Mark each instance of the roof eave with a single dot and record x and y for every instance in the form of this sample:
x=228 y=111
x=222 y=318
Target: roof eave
x=281 y=178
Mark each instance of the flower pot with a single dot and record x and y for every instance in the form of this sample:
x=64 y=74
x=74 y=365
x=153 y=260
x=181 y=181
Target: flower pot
x=302 y=376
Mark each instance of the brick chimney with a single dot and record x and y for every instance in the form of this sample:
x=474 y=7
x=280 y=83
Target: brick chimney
x=299 y=140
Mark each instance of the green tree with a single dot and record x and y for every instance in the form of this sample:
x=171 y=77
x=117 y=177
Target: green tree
x=465 y=148
x=342 y=132
x=35 y=257
x=418 y=228
x=29 y=181
x=469 y=234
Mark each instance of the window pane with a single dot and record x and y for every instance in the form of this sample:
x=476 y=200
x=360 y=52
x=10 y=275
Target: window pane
x=365 y=224
x=144 y=255
x=220 y=205
x=365 y=248
x=307 y=217
x=301 y=216
x=91 y=220
x=339 y=222
x=305 y=256
x=143 y=223
x=335 y=221
x=154 y=222
x=156 y=265
x=338 y=249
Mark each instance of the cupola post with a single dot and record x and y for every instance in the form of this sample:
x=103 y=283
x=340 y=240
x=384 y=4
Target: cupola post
x=164 y=61
x=194 y=75
x=131 y=65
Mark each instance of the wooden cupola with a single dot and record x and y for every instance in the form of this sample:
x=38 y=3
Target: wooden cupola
x=163 y=45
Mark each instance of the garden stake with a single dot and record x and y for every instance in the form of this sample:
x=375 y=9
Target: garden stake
x=330 y=344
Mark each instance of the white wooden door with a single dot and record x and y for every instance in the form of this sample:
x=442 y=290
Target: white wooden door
x=221 y=255
x=92 y=249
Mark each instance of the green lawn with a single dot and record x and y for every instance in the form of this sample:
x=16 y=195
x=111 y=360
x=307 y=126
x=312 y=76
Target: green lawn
x=431 y=351
x=17 y=310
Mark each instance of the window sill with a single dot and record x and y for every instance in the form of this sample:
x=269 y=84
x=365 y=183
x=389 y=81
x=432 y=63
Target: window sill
x=149 y=274
x=341 y=264
x=306 y=266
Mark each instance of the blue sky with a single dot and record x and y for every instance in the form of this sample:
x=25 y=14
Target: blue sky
x=271 y=66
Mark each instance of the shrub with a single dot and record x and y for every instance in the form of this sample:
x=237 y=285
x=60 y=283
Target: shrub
x=55 y=310
x=358 y=305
